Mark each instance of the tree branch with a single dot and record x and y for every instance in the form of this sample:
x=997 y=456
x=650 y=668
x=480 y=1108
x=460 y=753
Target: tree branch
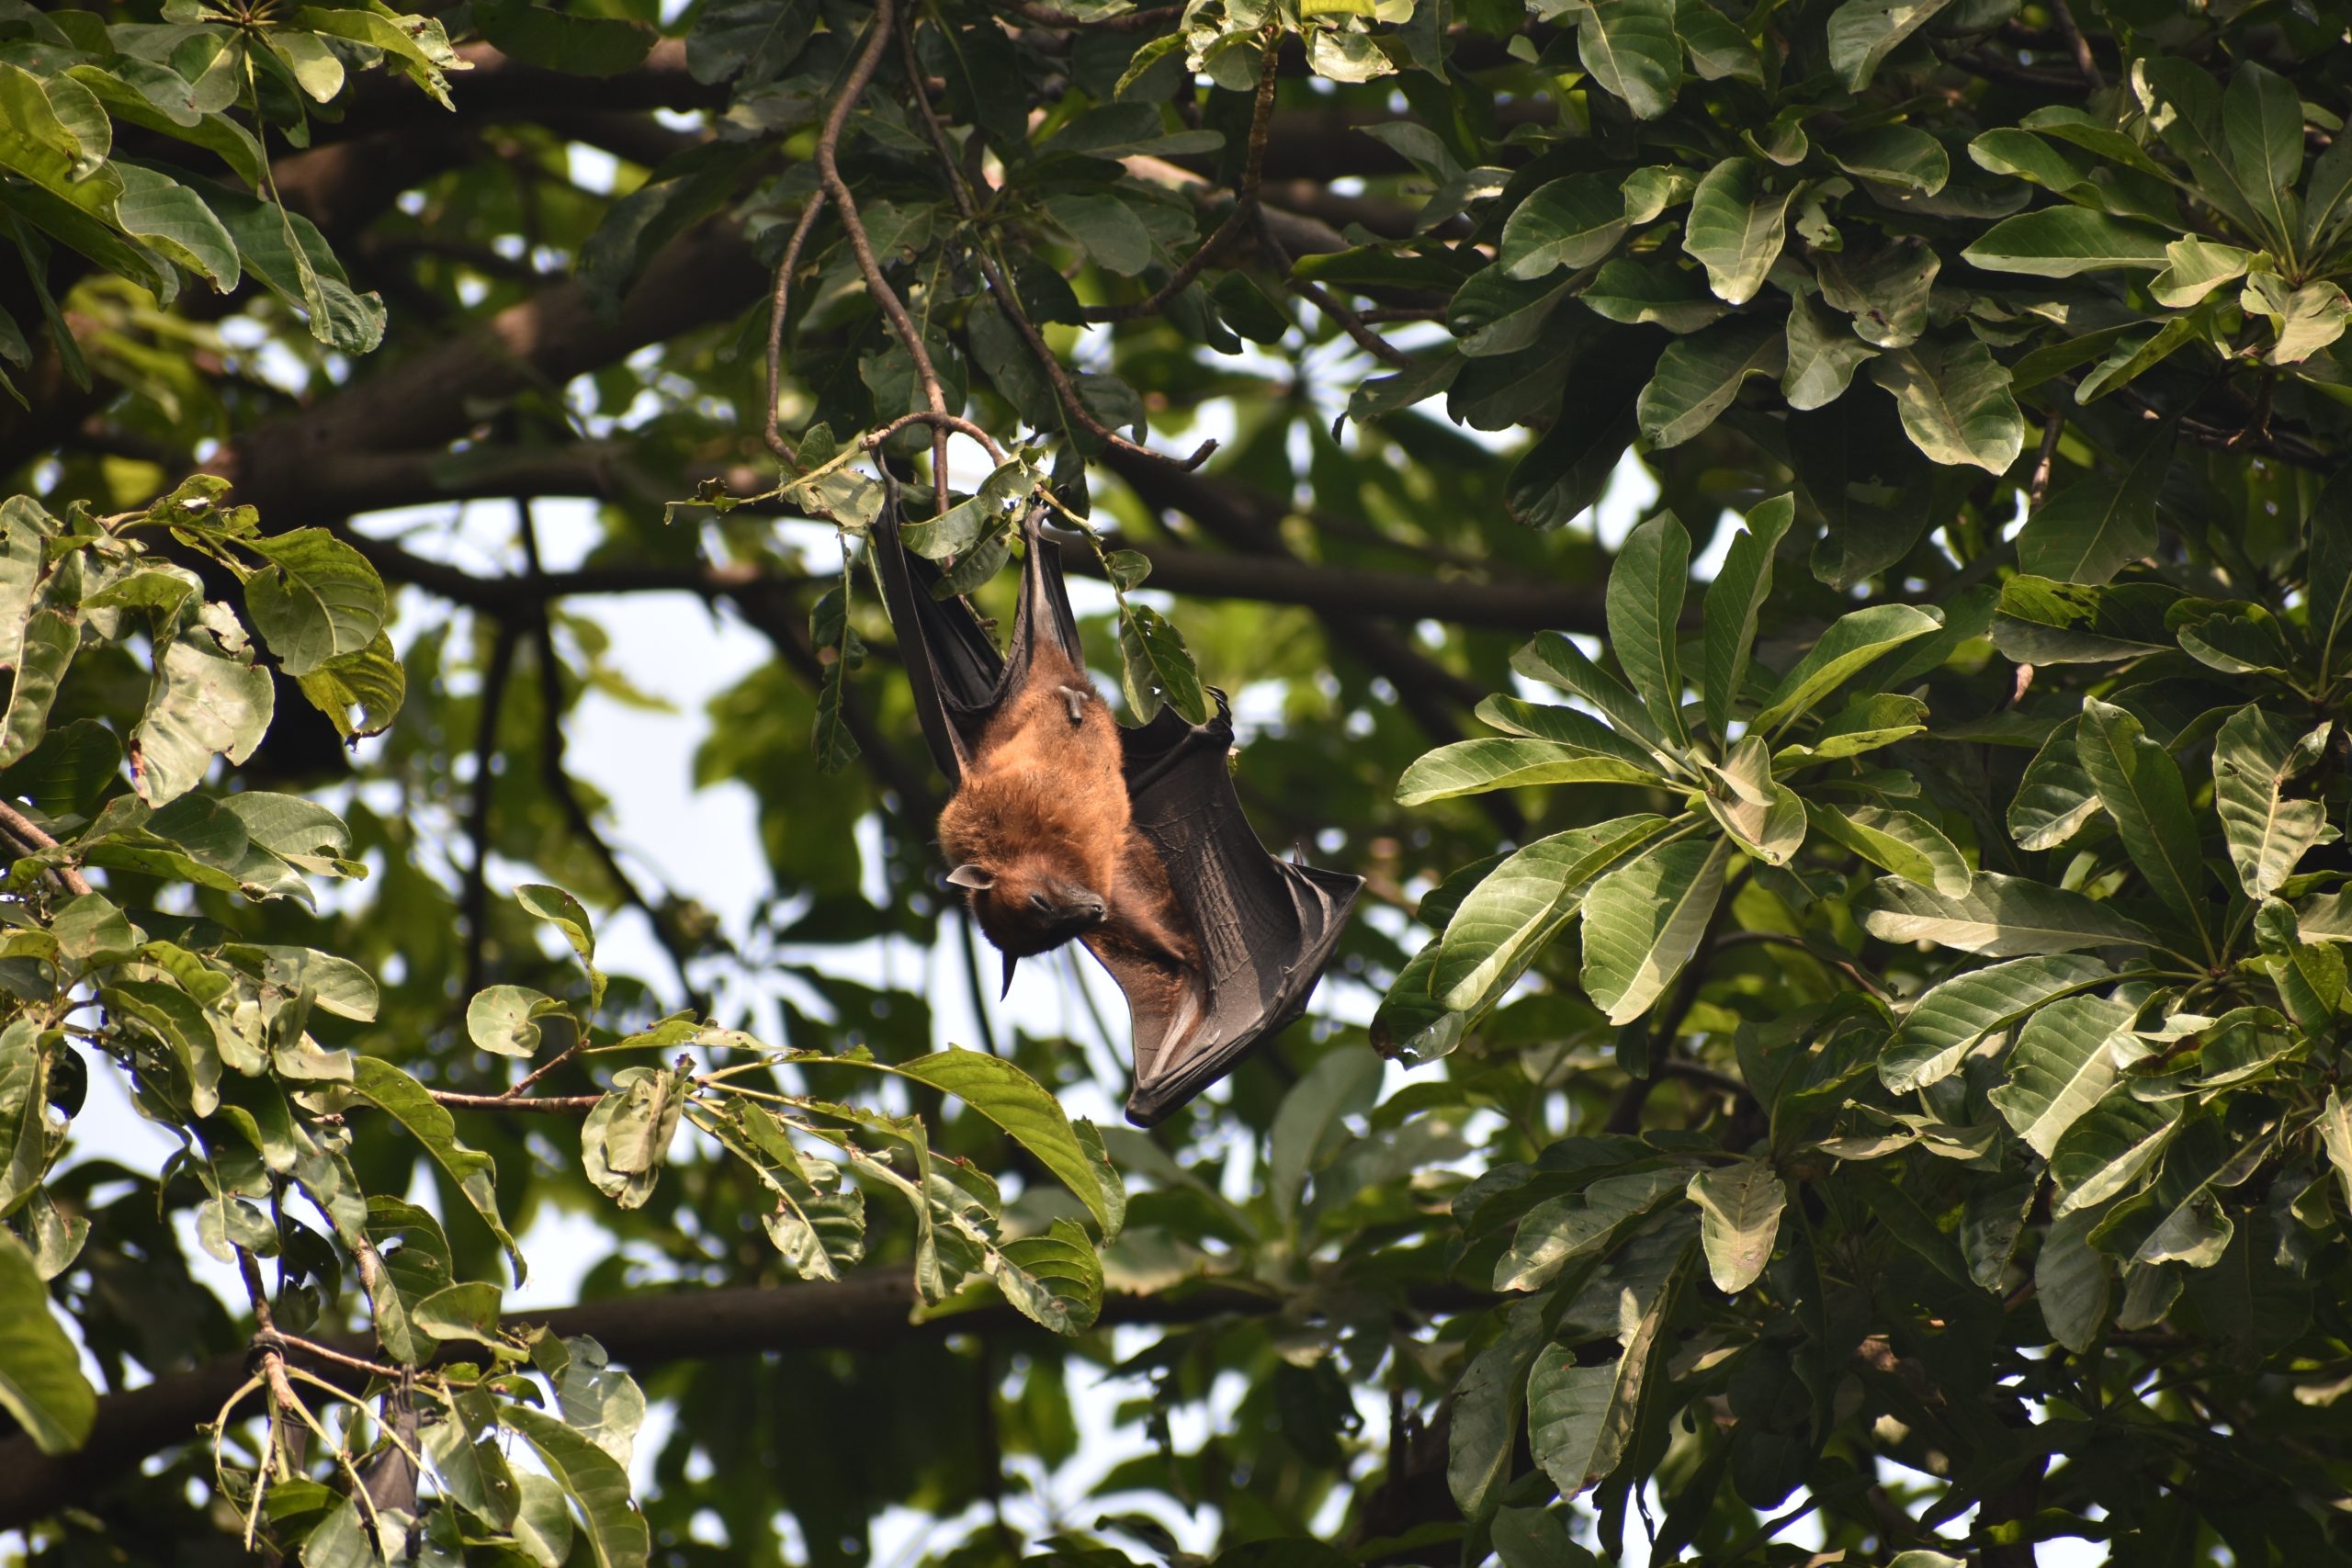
x=869 y=1312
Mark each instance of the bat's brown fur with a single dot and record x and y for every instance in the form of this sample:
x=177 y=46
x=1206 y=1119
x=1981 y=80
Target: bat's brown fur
x=1043 y=839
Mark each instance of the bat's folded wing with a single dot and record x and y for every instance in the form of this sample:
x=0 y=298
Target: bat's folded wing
x=1267 y=927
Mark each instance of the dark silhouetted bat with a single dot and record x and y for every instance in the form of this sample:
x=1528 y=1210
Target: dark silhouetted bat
x=1065 y=824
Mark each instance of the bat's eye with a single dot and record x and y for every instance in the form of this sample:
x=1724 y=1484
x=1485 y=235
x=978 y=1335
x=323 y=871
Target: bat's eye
x=1038 y=902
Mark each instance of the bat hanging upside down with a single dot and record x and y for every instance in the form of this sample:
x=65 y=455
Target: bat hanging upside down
x=1044 y=842
x=1066 y=825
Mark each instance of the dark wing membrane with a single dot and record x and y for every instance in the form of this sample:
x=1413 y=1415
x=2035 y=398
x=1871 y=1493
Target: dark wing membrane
x=1267 y=927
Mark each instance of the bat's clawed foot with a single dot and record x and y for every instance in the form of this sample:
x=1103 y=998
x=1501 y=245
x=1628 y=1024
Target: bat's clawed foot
x=1075 y=697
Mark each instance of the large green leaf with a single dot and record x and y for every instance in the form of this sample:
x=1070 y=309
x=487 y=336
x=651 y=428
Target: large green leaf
x=2073 y=1282
x=2094 y=528
x=1734 y=601
x=1736 y=228
x=1571 y=222
x=1698 y=376
x=2000 y=917
x=1310 y=1121
x=1555 y=660
x=1630 y=47
x=595 y=1481
x=2141 y=786
x=2267 y=833
x=1581 y=1419
x=1560 y=1230
x=1955 y=402
x=1863 y=33
x=1475 y=767
x=1499 y=929
x=41 y=1384
x=1763 y=816
x=1901 y=841
x=1853 y=640
x=1950 y=1019
x=208 y=699
x=400 y=1096
x=2108 y=1147
x=1645 y=611
x=2262 y=126
x=2062 y=241
x=1740 y=1219
x=1023 y=1107
x=2060 y=1067
x=2054 y=797
x=1642 y=921
x=318 y=599
x=1822 y=356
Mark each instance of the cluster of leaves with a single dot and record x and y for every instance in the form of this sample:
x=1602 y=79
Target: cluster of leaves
x=2134 y=1109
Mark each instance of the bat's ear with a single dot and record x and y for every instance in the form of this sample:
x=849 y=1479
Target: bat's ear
x=1009 y=962
x=975 y=877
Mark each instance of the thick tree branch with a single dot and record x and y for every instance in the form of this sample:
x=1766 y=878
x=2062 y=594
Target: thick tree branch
x=869 y=1312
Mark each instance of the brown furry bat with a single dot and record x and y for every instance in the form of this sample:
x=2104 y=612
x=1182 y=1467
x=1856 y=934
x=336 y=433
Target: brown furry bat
x=1044 y=840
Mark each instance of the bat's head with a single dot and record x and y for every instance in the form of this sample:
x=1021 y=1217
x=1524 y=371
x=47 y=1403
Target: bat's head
x=1029 y=904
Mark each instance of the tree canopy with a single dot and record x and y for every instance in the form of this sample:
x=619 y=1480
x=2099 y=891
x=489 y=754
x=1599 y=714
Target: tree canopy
x=1840 y=1055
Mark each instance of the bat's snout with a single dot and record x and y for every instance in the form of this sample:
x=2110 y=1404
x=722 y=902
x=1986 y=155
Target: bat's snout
x=1069 y=911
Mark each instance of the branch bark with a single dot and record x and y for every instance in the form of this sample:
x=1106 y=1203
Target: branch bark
x=869 y=1312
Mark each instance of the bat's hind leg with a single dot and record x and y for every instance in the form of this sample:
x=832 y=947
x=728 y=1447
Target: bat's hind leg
x=1074 y=698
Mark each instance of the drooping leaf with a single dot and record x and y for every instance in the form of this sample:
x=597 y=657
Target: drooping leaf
x=1740 y=1210
x=1642 y=921
x=2141 y=786
x=2060 y=1068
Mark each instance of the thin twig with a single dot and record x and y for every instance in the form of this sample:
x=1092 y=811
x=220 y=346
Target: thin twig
x=2039 y=486
x=1010 y=302
x=2078 y=43
x=544 y=1105
x=1371 y=342
x=21 y=828
x=544 y=1068
x=894 y=310
x=955 y=423
x=1245 y=207
x=284 y=1340
x=781 y=301
x=475 y=901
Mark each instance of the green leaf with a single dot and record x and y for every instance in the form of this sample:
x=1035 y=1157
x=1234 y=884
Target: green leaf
x=1106 y=226
x=1853 y=641
x=41 y=1384
x=1822 y=357
x=1156 y=669
x=2268 y=834
x=468 y=1311
x=1493 y=316
x=2063 y=241
x=2141 y=786
x=1903 y=842
x=1535 y=1538
x=1026 y=1109
x=207 y=700
x=2096 y=526
x=1581 y=1420
x=2262 y=123
x=2133 y=355
x=1863 y=33
x=2054 y=797
x=416 y=43
x=1554 y=659
x=1902 y=156
x=1310 y=1122
x=2000 y=917
x=1763 y=816
x=1563 y=725
x=2108 y=1147
x=401 y=1097
x=318 y=599
x=2061 y=1067
x=503 y=1019
x=1719 y=48
x=616 y=1533
x=1886 y=293
x=1950 y=1019
x=1736 y=228
x=1571 y=222
x=1642 y=921
x=565 y=913
x=167 y=216
x=577 y=46
x=1487 y=1403
x=1734 y=601
x=361 y=693
x=1054 y=1280
x=1645 y=610
x=2042 y=622
x=2073 y=1282
x=1659 y=294
x=1630 y=49
x=2194 y=267
x=626 y=1140
x=1698 y=378
x=1476 y=767
x=2306 y=319
x=1955 y=402
x=46 y=647
x=1499 y=929
x=1560 y=1230
x=1740 y=1219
